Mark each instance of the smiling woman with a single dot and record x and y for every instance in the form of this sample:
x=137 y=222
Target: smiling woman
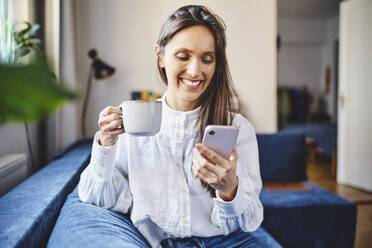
x=189 y=70
x=206 y=55
x=176 y=189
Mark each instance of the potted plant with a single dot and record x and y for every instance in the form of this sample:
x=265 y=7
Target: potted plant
x=29 y=92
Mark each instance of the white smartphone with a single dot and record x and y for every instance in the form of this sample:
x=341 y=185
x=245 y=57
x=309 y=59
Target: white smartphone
x=220 y=139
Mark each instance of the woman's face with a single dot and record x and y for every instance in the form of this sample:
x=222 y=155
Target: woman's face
x=189 y=60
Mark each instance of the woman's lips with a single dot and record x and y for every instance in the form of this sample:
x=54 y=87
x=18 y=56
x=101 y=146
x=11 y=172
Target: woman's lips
x=193 y=84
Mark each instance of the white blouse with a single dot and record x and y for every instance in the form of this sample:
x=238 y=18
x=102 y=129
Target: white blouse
x=151 y=178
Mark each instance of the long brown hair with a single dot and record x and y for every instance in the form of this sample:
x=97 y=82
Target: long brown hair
x=216 y=101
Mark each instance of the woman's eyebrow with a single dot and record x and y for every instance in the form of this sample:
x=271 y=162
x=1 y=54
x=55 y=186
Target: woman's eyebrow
x=182 y=50
x=190 y=51
x=209 y=53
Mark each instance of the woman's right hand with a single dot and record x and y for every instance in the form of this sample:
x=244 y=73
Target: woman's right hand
x=111 y=125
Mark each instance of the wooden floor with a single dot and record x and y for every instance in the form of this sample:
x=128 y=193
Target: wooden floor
x=319 y=172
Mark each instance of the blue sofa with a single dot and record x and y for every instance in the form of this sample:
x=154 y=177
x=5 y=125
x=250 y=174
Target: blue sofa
x=301 y=218
x=45 y=210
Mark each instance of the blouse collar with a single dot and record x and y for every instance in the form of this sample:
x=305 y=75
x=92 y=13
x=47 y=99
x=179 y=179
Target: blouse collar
x=186 y=115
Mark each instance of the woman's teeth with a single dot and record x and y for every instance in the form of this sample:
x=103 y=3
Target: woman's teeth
x=190 y=83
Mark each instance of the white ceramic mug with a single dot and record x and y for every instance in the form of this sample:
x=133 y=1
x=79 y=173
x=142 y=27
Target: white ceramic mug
x=142 y=118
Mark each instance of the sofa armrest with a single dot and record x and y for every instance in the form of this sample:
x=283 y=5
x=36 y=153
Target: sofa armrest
x=69 y=148
x=28 y=212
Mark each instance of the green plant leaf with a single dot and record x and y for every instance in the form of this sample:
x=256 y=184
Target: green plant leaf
x=30 y=92
x=27 y=32
x=26 y=41
x=35 y=41
x=23 y=32
x=34 y=28
x=22 y=51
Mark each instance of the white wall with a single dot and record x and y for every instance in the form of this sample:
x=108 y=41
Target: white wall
x=125 y=33
x=307 y=48
x=302 y=31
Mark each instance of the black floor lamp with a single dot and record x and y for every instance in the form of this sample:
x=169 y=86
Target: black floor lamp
x=99 y=70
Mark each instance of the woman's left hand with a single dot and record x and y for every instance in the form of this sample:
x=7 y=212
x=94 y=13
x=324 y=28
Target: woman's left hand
x=218 y=172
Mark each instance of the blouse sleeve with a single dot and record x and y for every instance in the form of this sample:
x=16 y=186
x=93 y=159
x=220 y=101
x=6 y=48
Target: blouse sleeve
x=245 y=211
x=104 y=182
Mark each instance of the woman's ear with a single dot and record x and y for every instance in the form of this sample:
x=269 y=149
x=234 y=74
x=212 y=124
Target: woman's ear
x=159 y=56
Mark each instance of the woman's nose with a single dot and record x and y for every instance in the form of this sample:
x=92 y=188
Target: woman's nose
x=193 y=68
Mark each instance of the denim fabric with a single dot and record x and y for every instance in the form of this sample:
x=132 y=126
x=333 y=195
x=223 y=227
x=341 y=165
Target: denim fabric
x=237 y=239
x=265 y=239
x=84 y=225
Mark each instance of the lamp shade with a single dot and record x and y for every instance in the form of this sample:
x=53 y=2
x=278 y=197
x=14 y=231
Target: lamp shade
x=101 y=69
x=98 y=70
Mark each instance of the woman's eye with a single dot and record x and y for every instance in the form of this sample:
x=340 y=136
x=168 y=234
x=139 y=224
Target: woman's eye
x=183 y=58
x=207 y=60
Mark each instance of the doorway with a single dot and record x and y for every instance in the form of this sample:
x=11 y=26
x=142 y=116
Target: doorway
x=308 y=86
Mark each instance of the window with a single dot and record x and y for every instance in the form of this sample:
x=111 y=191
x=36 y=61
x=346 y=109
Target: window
x=7 y=45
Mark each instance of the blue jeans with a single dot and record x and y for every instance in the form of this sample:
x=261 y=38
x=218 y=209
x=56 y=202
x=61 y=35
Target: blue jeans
x=238 y=239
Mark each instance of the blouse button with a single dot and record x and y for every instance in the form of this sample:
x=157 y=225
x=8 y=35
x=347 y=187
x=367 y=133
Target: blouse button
x=178 y=164
x=177 y=135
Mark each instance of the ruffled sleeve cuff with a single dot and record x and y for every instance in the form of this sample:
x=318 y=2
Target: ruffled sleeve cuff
x=234 y=207
x=103 y=157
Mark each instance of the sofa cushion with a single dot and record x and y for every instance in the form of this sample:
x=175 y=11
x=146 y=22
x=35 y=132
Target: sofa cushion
x=282 y=156
x=29 y=211
x=85 y=225
x=316 y=218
